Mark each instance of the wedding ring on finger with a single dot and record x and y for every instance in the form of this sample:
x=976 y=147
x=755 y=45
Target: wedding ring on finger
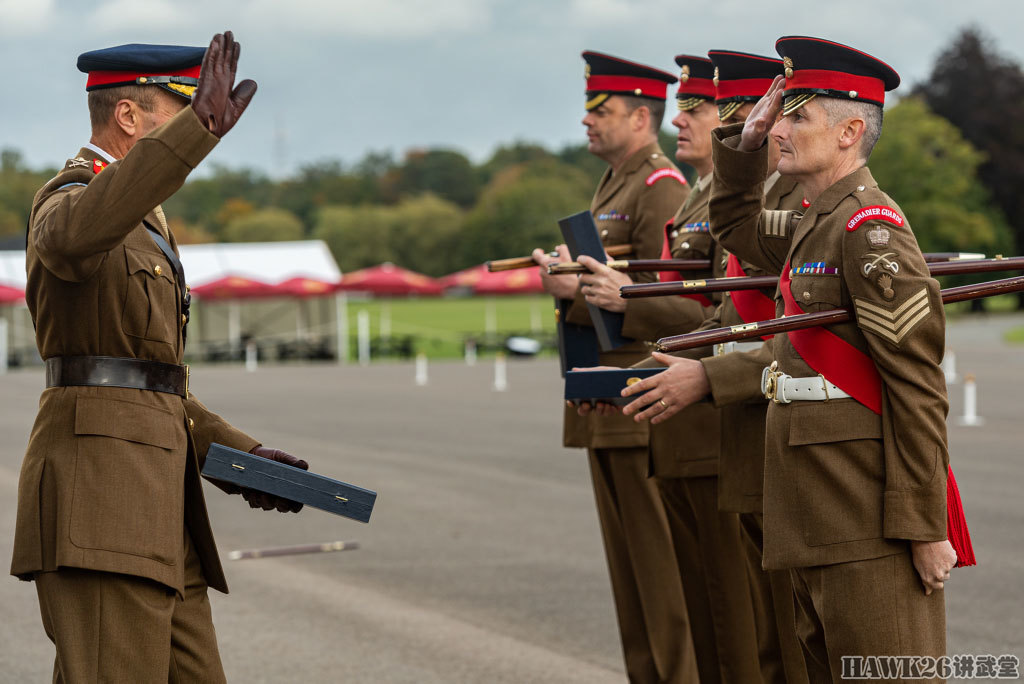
x=663 y=404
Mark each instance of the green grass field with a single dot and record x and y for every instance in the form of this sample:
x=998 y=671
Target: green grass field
x=1015 y=335
x=439 y=326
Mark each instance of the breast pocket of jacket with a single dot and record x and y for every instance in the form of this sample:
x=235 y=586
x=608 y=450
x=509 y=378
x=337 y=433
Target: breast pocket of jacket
x=692 y=245
x=817 y=292
x=838 y=470
x=129 y=475
x=613 y=232
x=150 y=299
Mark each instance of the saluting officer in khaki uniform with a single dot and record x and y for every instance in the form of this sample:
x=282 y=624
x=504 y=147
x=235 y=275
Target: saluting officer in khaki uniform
x=111 y=523
x=856 y=512
x=635 y=197
x=731 y=380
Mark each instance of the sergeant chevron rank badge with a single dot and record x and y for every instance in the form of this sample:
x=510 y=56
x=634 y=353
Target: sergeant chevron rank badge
x=893 y=325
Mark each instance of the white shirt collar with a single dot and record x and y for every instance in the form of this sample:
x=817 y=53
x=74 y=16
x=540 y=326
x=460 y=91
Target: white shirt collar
x=100 y=151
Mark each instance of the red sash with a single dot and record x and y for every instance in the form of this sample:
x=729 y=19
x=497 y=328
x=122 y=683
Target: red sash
x=853 y=371
x=842 y=364
x=751 y=305
x=670 y=276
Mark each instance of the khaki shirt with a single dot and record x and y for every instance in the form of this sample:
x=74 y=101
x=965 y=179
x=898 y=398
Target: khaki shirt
x=631 y=207
x=843 y=483
x=111 y=474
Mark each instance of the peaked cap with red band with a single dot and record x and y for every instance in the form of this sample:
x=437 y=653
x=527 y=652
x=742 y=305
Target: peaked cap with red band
x=175 y=68
x=607 y=76
x=741 y=77
x=814 y=66
x=696 y=81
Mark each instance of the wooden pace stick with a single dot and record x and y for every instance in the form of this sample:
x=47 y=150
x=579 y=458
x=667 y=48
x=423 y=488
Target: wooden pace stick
x=528 y=262
x=574 y=267
x=936 y=268
x=635 y=265
x=272 y=551
x=786 y=324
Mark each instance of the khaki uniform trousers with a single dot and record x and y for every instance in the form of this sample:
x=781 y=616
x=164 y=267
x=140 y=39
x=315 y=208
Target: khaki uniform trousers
x=709 y=551
x=861 y=608
x=778 y=647
x=645 y=581
x=117 y=628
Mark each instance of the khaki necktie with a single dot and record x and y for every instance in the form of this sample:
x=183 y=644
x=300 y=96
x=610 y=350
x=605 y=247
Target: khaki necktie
x=159 y=212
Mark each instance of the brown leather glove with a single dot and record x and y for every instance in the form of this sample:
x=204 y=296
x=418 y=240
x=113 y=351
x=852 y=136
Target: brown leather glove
x=269 y=502
x=214 y=102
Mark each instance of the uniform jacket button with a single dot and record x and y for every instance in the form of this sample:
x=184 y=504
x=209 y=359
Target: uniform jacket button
x=807 y=296
x=191 y=424
x=604 y=233
x=184 y=320
x=157 y=270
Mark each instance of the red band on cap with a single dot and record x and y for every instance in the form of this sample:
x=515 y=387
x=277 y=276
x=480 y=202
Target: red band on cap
x=867 y=88
x=102 y=78
x=876 y=212
x=743 y=87
x=665 y=173
x=651 y=87
x=697 y=87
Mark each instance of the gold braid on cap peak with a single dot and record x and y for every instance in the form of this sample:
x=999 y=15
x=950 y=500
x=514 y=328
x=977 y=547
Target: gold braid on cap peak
x=186 y=90
x=728 y=109
x=596 y=101
x=688 y=103
x=794 y=102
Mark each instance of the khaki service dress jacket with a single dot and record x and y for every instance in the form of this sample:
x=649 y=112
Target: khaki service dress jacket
x=842 y=482
x=111 y=474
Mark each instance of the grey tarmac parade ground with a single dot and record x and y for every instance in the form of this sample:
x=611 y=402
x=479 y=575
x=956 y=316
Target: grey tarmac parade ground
x=483 y=559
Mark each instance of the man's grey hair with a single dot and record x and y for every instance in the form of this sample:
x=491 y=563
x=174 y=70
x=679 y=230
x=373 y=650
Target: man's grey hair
x=655 y=107
x=102 y=102
x=838 y=110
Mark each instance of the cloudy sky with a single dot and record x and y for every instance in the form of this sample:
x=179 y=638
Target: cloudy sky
x=338 y=78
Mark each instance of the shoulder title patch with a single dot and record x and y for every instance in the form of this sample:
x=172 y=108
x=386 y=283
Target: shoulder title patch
x=876 y=212
x=665 y=173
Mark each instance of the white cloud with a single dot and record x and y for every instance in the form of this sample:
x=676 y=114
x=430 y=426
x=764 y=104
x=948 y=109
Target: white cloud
x=20 y=16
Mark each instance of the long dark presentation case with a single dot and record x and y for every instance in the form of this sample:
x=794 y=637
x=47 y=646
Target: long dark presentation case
x=289 y=482
x=604 y=385
x=580 y=345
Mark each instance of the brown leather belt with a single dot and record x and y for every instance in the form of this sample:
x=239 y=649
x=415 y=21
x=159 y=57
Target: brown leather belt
x=109 y=371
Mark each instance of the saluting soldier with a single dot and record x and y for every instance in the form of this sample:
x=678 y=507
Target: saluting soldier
x=111 y=523
x=636 y=196
x=857 y=514
x=731 y=380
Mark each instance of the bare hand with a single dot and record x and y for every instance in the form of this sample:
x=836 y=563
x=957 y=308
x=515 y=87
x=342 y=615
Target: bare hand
x=933 y=561
x=559 y=286
x=215 y=103
x=762 y=117
x=601 y=285
x=684 y=382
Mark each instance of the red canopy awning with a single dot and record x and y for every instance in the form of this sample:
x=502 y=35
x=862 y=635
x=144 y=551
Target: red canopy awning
x=389 y=280
x=11 y=295
x=482 y=281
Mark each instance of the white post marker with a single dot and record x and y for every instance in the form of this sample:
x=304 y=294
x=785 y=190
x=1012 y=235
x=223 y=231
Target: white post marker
x=363 y=336
x=421 y=369
x=341 y=326
x=970 y=417
x=949 y=367
x=470 y=353
x=500 y=373
x=490 y=318
x=251 y=354
x=3 y=345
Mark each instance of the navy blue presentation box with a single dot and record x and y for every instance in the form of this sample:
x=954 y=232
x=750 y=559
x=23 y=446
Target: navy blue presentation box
x=255 y=472
x=604 y=385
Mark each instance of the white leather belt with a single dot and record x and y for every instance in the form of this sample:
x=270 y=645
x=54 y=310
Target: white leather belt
x=723 y=348
x=783 y=389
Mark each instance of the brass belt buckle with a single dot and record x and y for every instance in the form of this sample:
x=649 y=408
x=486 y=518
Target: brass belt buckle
x=186 y=380
x=771 y=381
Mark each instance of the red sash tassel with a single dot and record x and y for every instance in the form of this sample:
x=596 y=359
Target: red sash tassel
x=853 y=371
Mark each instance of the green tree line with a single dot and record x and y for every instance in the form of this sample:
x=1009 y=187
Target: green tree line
x=435 y=211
